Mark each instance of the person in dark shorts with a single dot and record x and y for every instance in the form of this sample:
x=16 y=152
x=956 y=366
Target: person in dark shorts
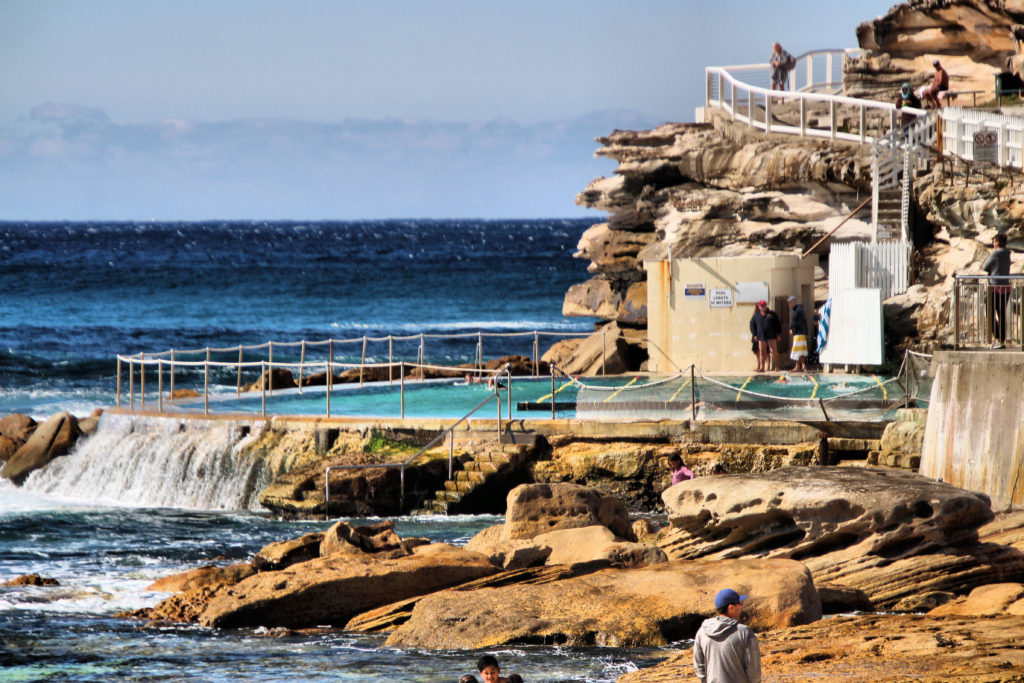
x=765 y=328
x=998 y=263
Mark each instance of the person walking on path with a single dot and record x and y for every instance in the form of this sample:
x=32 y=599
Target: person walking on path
x=726 y=651
x=782 y=63
x=940 y=84
x=798 y=328
x=765 y=329
x=998 y=263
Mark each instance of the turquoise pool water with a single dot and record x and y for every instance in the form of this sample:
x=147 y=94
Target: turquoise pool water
x=602 y=397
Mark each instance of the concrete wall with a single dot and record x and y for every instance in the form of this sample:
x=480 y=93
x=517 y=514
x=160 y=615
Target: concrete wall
x=974 y=436
x=698 y=310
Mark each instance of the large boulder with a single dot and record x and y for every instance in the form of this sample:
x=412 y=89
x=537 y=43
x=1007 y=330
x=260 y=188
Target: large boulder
x=332 y=589
x=650 y=606
x=210 y=576
x=591 y=543
x=281 y=554
x=17 y=427
x=534 y=509
x=53 y=438
x=603 y=353
x=886 y=532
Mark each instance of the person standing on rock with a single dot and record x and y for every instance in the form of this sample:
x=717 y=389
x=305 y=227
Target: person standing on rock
x=765 y=329
x=726 y=651
x=798 y=328
x=998 y=263
x=781 y=62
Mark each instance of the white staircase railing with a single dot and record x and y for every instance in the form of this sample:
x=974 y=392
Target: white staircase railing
x=753 y=104
x=892 y=158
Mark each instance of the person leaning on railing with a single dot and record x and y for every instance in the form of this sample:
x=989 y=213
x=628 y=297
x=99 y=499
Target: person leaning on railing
x=998 y=263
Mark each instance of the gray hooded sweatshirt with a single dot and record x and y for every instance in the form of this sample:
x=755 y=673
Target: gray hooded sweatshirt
x=726 y=651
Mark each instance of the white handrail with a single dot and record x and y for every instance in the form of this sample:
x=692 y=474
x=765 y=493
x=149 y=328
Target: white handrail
x=753 y=96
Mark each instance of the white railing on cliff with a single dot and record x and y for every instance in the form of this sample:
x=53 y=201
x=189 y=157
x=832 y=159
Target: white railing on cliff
x=753 y=105
x=960 y=128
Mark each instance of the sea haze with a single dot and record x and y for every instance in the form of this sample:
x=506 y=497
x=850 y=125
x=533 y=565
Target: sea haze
x=77 y=294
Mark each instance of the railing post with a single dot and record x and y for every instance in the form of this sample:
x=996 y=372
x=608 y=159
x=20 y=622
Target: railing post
x=391 y=360
x=330 y=374
x=536 y=354
x=131 y=385
x=270 y=369
x=160 y=385
x=508 y=391
x=497 y=394
x=451 y=452
x=863 y=122
x=479 y=350
x=263 y=388
x=118 y=382
x=172 y=372
x=401 y=392
x=956 y=313
x=238 y=382
x=803 y=117
x=142 y=379
x=206 y=383
x=362 y=361
x=693 y=392
x=302 y=361
x=604 y=352
x=833 y=124
x=552 y=392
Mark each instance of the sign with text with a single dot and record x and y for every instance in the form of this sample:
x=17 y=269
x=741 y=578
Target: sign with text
x=986 y=145
x=720 y=298
x=694 y=291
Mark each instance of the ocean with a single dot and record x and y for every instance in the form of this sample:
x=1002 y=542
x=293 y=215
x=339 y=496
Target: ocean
x=77 y=294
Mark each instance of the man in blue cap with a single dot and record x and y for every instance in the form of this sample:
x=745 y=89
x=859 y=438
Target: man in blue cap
x=726 y=651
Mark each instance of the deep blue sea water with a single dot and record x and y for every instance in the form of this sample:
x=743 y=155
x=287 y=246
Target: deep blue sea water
x=76 y=294
x=73 y=295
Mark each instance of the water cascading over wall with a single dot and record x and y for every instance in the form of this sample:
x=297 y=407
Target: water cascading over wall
x=160 y=462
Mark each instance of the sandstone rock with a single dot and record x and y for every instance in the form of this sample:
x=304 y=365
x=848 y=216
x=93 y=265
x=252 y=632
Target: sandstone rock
x=209 y=576
x=650 y=606
x=533 y=509
x=331 y=590
x=31 y=580
x=88 y=426
x=990 y=600
x=594 y=543
x=281 y=554
x=876 y=648
x=17 y=428
x=378 y=539
x=923 y=602
x=517 y=553
x=905 y=434
x=7 y=448
x=604 y=352
x=273 y=378
x=186 y=393
x=52 y=439
x=887 y=533
x=838 y=599
x=594 y=298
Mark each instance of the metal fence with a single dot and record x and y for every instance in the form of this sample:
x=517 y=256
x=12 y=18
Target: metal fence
x=986 y=314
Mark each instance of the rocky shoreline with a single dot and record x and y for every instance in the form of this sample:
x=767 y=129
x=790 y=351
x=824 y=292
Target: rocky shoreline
x=569 y=567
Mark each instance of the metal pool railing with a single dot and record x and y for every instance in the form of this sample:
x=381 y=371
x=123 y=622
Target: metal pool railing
x=223 y=360
x=980 y=308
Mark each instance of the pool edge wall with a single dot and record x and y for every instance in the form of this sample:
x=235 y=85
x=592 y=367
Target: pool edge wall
x=974 y=434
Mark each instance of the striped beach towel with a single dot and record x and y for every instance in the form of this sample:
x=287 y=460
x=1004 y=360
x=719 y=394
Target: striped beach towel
x=823 y=324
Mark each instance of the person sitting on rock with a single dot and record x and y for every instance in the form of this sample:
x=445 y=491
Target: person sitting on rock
x=489 y=669
x=940 y=84
x=680 y=472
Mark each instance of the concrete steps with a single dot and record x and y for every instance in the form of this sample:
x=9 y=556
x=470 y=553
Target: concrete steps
x=493 y=458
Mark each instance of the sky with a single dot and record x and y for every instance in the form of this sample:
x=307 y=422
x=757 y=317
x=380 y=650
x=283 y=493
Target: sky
x=316 y=109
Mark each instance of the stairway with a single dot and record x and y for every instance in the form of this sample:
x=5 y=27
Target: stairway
x=487 y=472
x=890 y=214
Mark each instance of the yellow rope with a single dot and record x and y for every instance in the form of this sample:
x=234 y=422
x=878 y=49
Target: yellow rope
x=815 y=392
x=631 y=383
x=885 y=394
x=739 y=394
x=682 y=386
x=552 y=396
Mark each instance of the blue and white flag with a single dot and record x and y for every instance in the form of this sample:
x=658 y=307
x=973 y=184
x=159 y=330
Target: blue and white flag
x=826 y=310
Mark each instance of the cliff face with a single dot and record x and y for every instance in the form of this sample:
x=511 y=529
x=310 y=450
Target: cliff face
x=721 y=190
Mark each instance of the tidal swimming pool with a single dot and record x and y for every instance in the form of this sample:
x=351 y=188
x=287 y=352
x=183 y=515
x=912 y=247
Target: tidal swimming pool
x=624 y=397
